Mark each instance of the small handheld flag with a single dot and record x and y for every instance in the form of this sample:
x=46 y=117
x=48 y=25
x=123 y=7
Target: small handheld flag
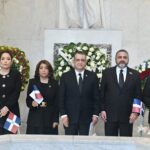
x=36 y=95
x=138 y=107
x=12 y=123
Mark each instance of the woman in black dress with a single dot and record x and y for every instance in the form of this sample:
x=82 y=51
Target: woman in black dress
x=10 y=87
x=43 y=117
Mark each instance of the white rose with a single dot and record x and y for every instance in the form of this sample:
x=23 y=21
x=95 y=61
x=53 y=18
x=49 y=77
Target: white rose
x=69 y=56
x=91 y=49
x=89 y=54
x=85 y=48
x=99 y=75
x=67 y=68
x=20 y=69
x=97 y=57
x=59 y=68
x=62 y=63
x=103 y=61
x=78 y=48
x=60 y=73
x=70 y=50
x=98 y=53
x=92 y=64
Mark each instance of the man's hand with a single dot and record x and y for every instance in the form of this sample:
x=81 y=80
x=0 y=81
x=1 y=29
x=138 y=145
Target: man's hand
x=55 y=124
x=133 y=117
x=94 y=119
x=104 y=116
x=65 y=121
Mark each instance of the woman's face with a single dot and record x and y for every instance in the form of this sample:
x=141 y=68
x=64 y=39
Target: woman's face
x=5 y=61
x=43 y=71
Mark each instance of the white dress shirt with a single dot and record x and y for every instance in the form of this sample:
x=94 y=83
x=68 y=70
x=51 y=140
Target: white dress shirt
x=124 y=73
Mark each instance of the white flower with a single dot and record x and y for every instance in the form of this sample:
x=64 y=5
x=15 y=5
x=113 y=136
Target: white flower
x=20 y=69
x=99 y=75
x=85 y=48
x=59 y=68
x=91 y=49
x=70 y=50
x=62 y=63
x=97 y=57
x=92 y=64
x=60 y=73
x=103 y=61
x=89 y=54
x=78 y=48
x=67 y=68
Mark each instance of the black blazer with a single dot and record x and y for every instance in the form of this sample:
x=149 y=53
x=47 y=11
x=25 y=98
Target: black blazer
x=43 y=117
x=10 y=87
x=116 y=101
x=79 y=106
x=146 y=93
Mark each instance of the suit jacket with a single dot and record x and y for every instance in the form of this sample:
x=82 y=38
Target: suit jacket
x=116 y=101
x=39 y=116
x=10 y=87
x=146 y=93
x=79 y=106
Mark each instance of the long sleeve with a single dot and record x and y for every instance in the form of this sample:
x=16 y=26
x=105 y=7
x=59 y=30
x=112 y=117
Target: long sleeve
x=14 y=95
x=96 y=95
x=62 y=96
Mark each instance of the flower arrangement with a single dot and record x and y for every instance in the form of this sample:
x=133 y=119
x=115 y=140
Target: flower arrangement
x=20 y=63
x=144 y=70
x=96 y=59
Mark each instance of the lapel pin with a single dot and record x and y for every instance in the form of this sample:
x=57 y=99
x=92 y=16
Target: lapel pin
x=130 y=73
x=49 y=86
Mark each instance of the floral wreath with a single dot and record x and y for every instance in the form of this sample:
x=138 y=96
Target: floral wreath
x=96 y=60
x=20 y=63
x=144 y=70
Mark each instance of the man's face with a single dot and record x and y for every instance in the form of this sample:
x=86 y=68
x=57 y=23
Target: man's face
x=122 y=59
x=79 y=62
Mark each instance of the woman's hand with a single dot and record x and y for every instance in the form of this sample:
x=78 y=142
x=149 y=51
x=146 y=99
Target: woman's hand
x=4 y=111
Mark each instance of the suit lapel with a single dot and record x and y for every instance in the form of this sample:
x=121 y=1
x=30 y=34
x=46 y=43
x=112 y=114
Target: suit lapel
x=114 y=74
x=128 y=77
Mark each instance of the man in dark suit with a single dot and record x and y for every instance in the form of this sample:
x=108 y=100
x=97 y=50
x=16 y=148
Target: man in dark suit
x=119 y=86
x=79 y=97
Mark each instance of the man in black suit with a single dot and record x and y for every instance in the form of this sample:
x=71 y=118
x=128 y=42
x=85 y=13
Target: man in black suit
x=119 y=86
x=79 y=97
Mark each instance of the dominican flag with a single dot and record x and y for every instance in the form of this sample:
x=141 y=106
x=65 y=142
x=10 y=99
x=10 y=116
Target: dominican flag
x=12 y=123
x=36 y=95
x=138 y=107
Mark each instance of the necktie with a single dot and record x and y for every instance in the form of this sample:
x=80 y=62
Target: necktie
x=121 y=79
x=80 y=82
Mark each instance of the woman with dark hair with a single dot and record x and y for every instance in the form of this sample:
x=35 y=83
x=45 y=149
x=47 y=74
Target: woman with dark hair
x=10 y=87
x=43 y=117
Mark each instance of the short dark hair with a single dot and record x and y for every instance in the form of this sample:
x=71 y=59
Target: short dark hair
x=8 y=52
x=79 y=52
x=122 y=50
x=49 y=66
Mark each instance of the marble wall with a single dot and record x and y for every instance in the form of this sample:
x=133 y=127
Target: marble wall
x=22 y=25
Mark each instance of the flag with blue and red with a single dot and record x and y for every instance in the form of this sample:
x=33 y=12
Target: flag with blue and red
x=12 y=123
x=36 y=95
x=138 y=107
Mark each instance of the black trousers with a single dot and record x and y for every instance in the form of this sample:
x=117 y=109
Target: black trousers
x=118 y=129
x=77 y=129
x=42 y=130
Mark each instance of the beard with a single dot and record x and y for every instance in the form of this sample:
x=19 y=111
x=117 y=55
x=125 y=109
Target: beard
x=122 y=64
